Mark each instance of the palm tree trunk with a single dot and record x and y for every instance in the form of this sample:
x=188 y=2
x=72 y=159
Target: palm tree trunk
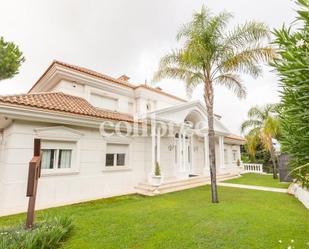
x=274 y=161
x=211 y=138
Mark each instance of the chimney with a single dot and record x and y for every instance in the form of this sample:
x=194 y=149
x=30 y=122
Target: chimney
x=124 y=78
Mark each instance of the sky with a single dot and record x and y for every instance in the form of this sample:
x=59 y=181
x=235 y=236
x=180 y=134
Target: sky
x=117 y=37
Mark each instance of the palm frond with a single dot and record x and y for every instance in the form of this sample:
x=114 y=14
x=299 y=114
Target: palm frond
x=248 y=33
x=257 y=112
x=174 y=73
x=232 y=82
x=204 y=22
x=252 y=141
x=175 y=66
x=271 y=126
x=247 y=61
x=250 y=124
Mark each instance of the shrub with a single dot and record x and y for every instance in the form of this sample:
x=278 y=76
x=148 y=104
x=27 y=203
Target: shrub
x=300 y=176
x=157 y=170
x=292 y=66
x=48 y=234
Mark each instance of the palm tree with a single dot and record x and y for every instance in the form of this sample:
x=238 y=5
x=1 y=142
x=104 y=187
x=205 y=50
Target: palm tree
x=212 y=55
x=262 y=126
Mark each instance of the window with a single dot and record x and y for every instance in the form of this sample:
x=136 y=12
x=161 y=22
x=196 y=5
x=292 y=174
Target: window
x=64 y=159
x=48 y=158
x=116 y=155
x=121 y=159
x=234 y=152
x=57 y=155
x=53 y=159
x=101 y=101
x=130 y=107
x=109 y=160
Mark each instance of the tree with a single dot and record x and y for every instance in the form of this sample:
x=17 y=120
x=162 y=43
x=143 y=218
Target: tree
x=261 y=127
x=212 y=55
x=10 y=59
x=292 y=66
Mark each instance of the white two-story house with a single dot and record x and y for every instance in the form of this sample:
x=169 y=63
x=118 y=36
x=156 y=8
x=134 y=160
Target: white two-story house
x=85 y=160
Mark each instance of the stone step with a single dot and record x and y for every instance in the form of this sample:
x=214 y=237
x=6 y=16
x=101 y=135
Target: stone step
x=177 y=182
x=188 y=180
x=177 y=185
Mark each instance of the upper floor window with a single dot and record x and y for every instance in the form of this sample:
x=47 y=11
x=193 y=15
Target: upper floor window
x=103 y=102
x=130 y=107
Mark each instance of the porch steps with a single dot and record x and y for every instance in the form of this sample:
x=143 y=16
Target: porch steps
x=177 y=185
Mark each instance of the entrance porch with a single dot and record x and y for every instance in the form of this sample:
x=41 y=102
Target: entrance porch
x=184 y=154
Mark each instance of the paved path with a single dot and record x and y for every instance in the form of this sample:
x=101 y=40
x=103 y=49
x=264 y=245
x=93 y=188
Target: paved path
x=280 y=190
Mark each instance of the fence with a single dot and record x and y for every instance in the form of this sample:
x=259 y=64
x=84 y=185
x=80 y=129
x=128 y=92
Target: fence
x=252 y=167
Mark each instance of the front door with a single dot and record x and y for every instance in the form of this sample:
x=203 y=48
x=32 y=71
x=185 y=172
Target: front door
x=183 y=154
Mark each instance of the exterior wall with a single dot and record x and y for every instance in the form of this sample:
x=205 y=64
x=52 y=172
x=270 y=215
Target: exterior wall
x=90 y=182
x=198 y=156
x=230 y=164
x=167 y=164
x=2 y=158
x=71 y=88
x=302 y=194
x=84 y=91
x=140 y=97
x=144 y=96
x=90 y=179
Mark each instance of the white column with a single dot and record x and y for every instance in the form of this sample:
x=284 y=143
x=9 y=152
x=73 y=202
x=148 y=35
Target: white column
x=158 y=145
x=192 y=153
x=239 y=154
x=206 y=154
x=184 y=151
x=221 y=152
x=179 y=160
x=153 y=147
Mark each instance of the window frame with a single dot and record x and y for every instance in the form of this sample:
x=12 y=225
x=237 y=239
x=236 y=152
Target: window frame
x=63 y=144
x=103 y=96
x=56 y=159
x=128 y=154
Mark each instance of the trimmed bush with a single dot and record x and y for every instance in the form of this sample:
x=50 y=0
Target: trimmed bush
x=157 y=169
x=48 y=234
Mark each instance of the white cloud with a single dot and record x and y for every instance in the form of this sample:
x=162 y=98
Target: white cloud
x=127 y=37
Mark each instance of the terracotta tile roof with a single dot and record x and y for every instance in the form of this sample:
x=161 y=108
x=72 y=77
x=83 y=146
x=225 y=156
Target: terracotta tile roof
x=158 y=90
x=105 y=77
x=235 y=137
x=94 y=73
x=63 y=103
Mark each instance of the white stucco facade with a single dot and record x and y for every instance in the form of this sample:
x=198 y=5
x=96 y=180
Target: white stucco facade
x=101 y=166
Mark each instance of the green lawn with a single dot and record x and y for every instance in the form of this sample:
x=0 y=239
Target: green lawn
x=259 y=180
x=181 y=220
